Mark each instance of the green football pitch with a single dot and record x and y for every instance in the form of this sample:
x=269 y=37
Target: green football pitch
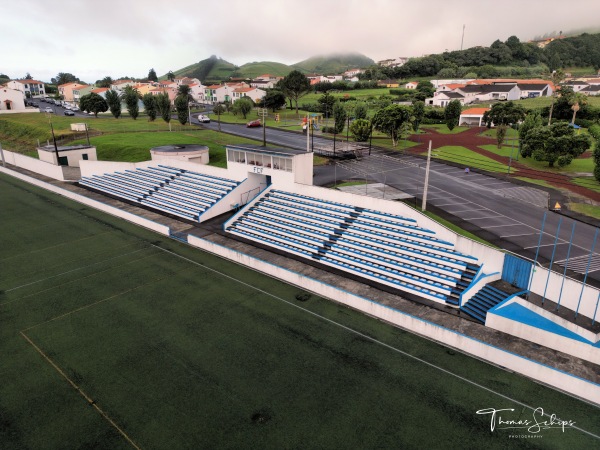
x=115 y=337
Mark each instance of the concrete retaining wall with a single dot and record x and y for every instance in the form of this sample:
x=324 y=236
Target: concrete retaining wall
x=555 y=341
x=570 y=291
x=553 y=377
x=146 y=223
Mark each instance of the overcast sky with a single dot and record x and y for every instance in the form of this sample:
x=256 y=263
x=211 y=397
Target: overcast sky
x=93 y=39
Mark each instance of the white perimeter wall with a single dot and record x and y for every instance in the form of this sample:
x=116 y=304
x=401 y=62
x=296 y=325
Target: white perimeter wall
x=570 y=292
x=552 y=340
x=560 y=380
x=146 y=223
x=35 y=165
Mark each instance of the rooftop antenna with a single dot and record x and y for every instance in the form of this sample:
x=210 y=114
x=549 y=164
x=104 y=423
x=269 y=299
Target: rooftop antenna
x=463 y=38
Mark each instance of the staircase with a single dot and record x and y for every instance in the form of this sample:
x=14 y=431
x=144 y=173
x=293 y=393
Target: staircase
x=465 y=280
x=478 y=306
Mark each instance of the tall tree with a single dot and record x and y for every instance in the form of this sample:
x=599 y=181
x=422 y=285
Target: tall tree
x=150 y=106
x=326 y=102
x=104 y=82
x=425 y=89
x=63 y=78
x=273 y=99
x=243 y=106
x=577 y=102
x=28 y=76
x=532 y=120
x=502 y=115
x=163 y=105
x=185 y=91
x=181 y=106
x=556 y=77
x=361 y=130
x=295 y=85
x=93 y=103
x=171 y=75
x=152 y=75
x=360 y=110
x=557 y=143
x=389 y=120
x=418 y=107
x=131 y=96
x=113 y=98
x=452 y=114
x=339 y=117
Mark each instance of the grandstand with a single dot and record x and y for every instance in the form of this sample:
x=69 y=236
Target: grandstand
x=381 y=247
x=265 y=197
x=183 y=193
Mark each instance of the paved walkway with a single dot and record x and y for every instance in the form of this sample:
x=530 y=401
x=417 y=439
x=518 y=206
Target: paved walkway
x=472 y=140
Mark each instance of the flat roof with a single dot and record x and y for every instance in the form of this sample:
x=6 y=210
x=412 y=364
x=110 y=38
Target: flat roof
x=179 y=148
x=63 y=148
x=270 y=151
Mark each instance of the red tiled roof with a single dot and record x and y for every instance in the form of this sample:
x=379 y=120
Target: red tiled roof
x=244 y=89
x=99 y=90
x=474 y=112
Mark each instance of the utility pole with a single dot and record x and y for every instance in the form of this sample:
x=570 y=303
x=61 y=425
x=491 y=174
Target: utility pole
x=426 y=182
x=463 y=38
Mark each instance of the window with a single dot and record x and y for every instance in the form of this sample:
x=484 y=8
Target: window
x=85 y=156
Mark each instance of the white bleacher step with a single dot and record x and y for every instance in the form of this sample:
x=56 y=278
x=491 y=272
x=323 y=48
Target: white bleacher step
x=418 y=270
x=396 y=275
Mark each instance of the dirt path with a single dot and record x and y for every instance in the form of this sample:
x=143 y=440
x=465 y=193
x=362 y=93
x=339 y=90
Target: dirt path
x=472 y=140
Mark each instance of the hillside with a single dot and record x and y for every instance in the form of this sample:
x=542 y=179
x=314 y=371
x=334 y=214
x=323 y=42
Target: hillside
x=334 y=63
x=254 y=69
x=211 y=69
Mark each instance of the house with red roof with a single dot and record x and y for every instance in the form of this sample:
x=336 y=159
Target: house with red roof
x=472 y=117
x=68 y=91
x=254 y=93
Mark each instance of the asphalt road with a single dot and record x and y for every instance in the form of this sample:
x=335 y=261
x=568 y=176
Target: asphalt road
x=506 y=214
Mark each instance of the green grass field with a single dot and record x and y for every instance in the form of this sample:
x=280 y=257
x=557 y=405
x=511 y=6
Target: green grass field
x=468 y=158
x=115 y=337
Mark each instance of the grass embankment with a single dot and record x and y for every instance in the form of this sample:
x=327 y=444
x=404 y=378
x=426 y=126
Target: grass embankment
x=469 y=158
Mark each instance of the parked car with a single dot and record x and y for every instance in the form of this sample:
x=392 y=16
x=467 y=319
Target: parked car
x=203 y=119
x=254 y=123
x=74 y=108
x=48 y=109
x=68 y=112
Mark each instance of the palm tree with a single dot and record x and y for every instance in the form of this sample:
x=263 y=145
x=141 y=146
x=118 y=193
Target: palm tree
x=556 y=77
x=578 y=100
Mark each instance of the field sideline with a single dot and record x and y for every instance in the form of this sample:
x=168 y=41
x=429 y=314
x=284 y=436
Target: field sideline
x=115 y=337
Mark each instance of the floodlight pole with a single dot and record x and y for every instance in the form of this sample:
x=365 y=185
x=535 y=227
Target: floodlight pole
x=307 y=133
x=426 y=182
x=55 y=146
x=264 y=127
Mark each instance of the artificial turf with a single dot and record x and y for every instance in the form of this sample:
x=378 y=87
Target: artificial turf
x=181 y=349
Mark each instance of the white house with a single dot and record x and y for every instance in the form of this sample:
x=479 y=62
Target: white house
x=443 y=98
x=352 y=73
x=592 y=89
x=489 y=92
x=29 y=88
x=533 y=90
x=576 y=85
x=411 y=85
x=11 y=100
x=119 y=85
x=254 y=93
